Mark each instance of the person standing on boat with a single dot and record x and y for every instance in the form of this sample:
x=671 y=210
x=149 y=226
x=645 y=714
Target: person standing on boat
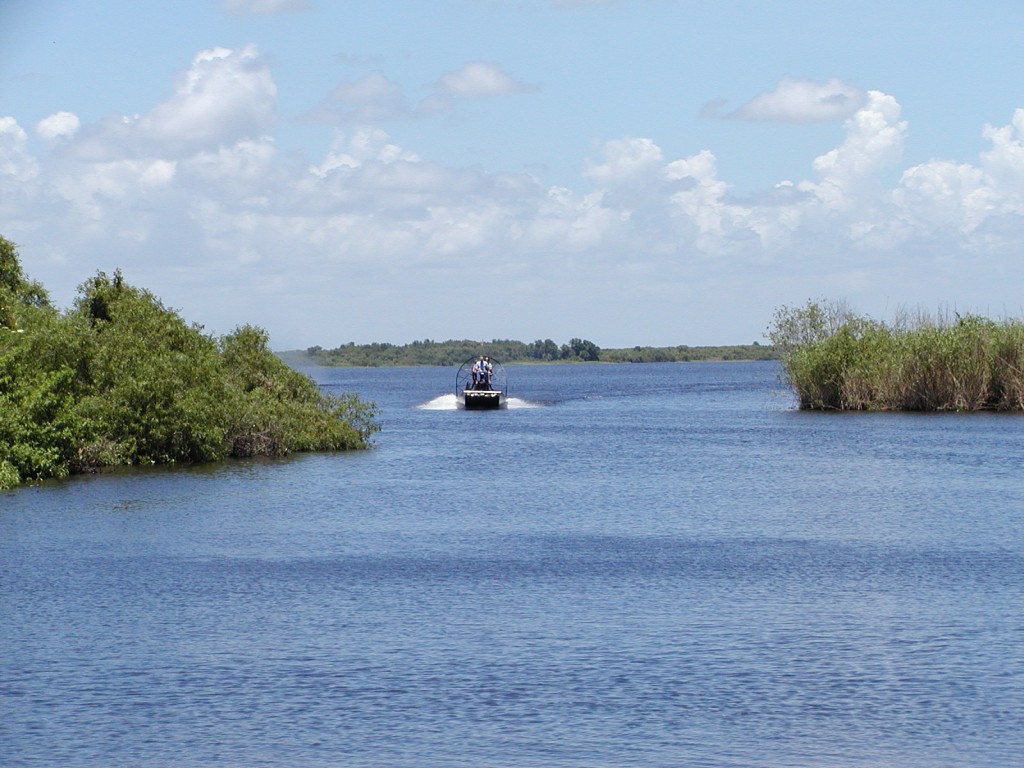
x=486 y=369
x=477 y=371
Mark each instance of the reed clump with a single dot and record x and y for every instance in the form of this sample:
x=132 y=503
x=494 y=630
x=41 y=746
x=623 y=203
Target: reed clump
x=835 y=359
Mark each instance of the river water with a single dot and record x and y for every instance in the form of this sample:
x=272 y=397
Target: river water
x=648 y=565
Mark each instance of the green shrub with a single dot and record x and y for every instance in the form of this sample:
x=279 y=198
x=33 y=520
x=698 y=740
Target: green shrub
x=122 y=379
x=276 y=410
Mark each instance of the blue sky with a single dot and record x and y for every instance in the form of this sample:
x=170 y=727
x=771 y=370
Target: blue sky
x=628 y=171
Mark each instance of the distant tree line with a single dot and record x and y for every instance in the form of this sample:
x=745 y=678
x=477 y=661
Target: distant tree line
x=576 y=350
x=452 y=352
x=121 y=379
x=687 y=354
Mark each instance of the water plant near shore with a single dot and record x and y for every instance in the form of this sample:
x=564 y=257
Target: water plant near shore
x=835 y=359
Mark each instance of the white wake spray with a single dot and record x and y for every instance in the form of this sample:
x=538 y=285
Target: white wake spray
x=515 y=402
x=451 y=403
x=441 y=403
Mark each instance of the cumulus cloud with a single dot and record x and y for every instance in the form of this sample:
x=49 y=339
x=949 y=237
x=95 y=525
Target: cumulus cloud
x=61 y=125
x=1004 y=162
x=368 y=145
x=801 y=101
x=16 y=164
x=623 y=162
x=475 y=80
x=478 y=79
x=874 y=141
x=207 y=212
x=224 y=96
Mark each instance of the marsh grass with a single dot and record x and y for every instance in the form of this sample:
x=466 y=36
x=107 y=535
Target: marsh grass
x=835 y=359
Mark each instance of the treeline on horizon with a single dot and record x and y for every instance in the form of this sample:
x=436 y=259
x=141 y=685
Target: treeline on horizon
x=120 y=379
x=456 y=352
x=835 y=359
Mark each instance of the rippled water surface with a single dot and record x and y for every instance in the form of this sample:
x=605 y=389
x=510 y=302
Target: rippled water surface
x=656 y=565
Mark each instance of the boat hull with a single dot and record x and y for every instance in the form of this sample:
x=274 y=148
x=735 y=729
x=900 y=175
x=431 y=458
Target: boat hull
x=481 y=399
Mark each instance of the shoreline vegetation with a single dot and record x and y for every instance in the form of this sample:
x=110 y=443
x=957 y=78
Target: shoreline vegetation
x=511 y=352
x=120 y=379
x=835 y=359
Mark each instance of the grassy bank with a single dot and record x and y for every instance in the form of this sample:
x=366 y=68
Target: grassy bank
x=836 y=359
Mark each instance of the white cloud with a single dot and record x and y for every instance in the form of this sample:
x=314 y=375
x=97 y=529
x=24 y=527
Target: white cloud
x=205 y=211
x=15 y=162
x=803 y=101
x=264 y=7
x=224 y=96
x=1004 y=163
x=703 y=202
x=625 y=161
x=370 y=99
x=944 y=196
x=477 y=79
x=365 y=146
x=874 y=142
x=61 y=125
x=375 y=98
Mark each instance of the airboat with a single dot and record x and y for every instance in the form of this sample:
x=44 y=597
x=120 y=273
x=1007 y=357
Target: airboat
x=481 y=384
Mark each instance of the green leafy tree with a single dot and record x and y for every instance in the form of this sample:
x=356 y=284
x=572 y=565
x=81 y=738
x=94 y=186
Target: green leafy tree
x=155 y=385
x=584 y=350
x=18 y=294
x=276 y=410
x=122 y=379
x=544 y=350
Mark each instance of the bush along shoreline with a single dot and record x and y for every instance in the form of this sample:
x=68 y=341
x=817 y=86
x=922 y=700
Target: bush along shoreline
x=120 y=379
x=835 y=359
